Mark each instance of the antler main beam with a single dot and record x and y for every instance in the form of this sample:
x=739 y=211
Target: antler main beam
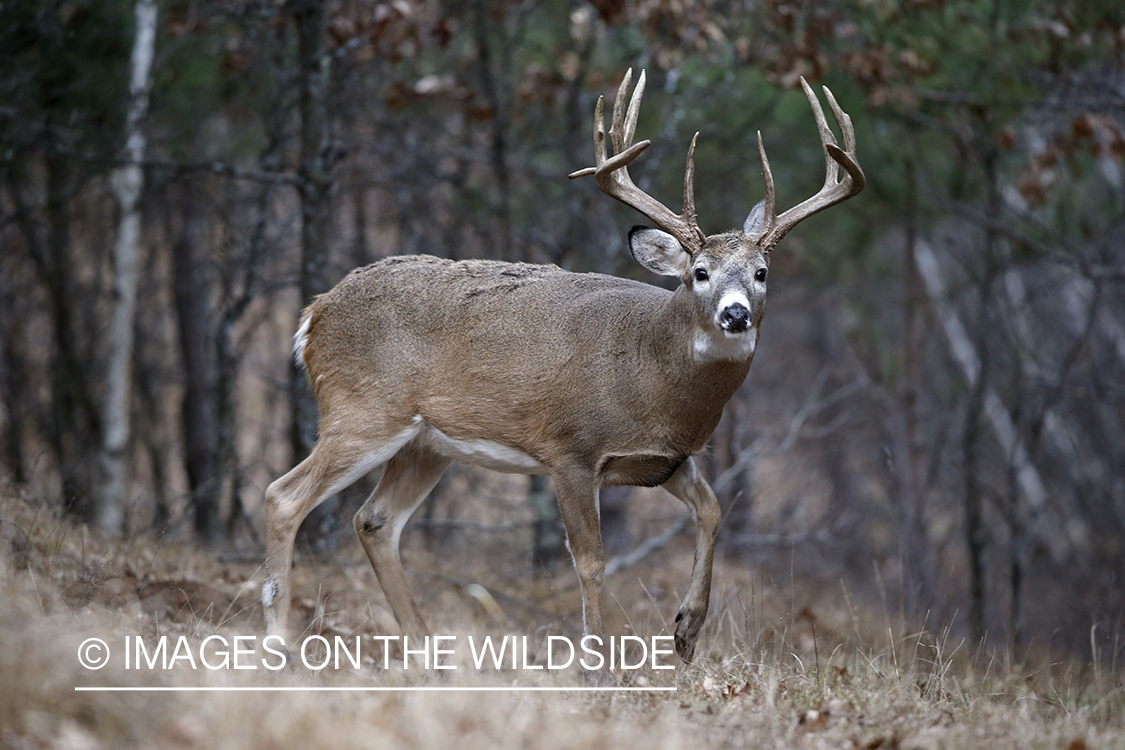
x=835 y=189
x=613 y=176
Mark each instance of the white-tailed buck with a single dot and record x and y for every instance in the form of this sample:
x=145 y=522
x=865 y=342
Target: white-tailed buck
x=418 y=361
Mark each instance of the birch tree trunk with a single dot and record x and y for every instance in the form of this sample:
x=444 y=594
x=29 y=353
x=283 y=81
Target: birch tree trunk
x=126 y=182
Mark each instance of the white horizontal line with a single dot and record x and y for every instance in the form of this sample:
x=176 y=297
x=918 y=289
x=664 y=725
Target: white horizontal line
x=115 y=689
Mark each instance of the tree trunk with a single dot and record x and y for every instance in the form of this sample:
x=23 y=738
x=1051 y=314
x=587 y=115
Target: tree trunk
x=75 y=423
x=126 y=182
x=550 y=538
x=153 y=435
x=499 y=148
x=974 y=525
x=314 y=188
x=200 y=408
x=73 y=427
x=909 y=459
x=735 y=496
x=13 y=378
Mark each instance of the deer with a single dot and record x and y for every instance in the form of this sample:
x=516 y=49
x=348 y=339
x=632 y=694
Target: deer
x=594 y=380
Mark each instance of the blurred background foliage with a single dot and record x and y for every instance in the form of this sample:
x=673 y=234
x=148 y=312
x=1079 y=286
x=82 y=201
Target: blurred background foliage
x=940 y=388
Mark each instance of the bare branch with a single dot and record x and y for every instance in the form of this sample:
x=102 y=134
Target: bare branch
x=620 y=562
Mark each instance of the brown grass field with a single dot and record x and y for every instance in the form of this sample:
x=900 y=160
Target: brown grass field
x=780 y=665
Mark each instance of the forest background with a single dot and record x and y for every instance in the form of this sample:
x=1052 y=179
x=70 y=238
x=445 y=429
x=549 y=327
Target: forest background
x=936 y=416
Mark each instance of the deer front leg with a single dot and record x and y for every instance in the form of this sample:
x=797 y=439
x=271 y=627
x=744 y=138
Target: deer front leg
x=578 y=505
x=693 y=490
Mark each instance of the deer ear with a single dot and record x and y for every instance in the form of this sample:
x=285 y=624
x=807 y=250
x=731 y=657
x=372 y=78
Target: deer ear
x=658 y=251
x=755 y=221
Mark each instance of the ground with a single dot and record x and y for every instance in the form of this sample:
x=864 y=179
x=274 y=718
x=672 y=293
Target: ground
x=777 y=667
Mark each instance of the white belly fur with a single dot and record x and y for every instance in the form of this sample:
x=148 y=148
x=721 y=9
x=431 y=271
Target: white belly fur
x=484 y=453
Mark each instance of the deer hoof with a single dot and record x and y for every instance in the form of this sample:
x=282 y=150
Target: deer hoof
x=689 y=623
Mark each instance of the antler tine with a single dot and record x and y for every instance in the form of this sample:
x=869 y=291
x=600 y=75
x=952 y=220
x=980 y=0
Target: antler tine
x=831 y=169
x=771 y=197
x=689 y=185
x=613 y=176
x=844 y=119
x=625 y=125
x=599 y=131
x=835 y=190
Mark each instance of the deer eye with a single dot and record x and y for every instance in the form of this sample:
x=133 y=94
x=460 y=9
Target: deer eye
x=701 y=274
x=760 y=274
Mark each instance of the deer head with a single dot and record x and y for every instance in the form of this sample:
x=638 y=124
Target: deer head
x=726 y=272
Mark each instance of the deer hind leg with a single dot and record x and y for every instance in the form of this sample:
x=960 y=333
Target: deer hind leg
x=407 y=479
x=339 y=458
x=693 y=490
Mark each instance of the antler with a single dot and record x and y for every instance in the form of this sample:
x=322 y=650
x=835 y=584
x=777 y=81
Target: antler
x=613 y=177
x=834 y=191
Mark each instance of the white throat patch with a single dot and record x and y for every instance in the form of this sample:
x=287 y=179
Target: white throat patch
x=721 y=346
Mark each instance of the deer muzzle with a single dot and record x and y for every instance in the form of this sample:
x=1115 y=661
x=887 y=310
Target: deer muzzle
x=734 y=318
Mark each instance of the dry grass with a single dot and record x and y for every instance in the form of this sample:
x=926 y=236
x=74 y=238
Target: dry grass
x=778 y=669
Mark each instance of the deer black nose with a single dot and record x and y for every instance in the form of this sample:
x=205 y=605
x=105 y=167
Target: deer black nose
x=735 y=318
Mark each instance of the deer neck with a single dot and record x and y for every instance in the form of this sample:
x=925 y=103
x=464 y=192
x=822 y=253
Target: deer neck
x=693 y=387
